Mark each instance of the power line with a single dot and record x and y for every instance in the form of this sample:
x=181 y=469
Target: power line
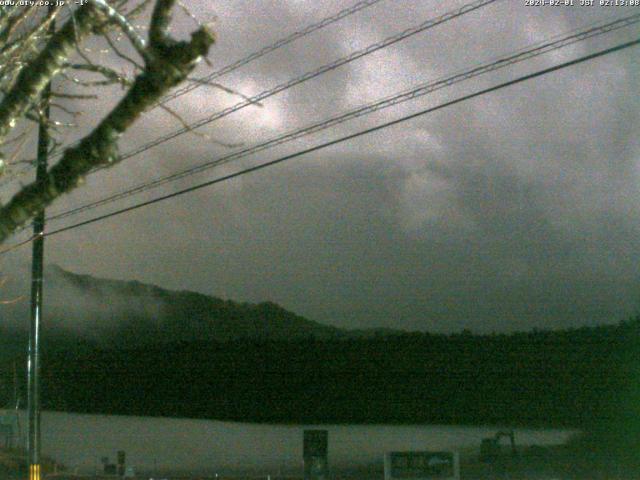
x=325 y=22
x=468 y=8
x=426 y=25
x=9 y=248
x=424 y=89
x=268 y=49
x=245 y=171
x=433 y=22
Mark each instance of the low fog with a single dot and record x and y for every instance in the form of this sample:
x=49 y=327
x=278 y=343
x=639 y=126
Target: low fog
x=71 y=309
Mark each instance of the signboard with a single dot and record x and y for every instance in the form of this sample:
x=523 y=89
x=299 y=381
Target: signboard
x=421 y=465
x=315 y=450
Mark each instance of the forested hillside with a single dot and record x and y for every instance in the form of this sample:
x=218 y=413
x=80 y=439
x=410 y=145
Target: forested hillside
x=547 y=378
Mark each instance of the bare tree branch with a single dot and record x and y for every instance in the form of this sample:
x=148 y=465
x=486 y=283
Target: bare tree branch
x=121 y=54
x=138 y=43
x=12 y=22
x=168 y=62
x=75 y=96
x=9 y=47
x=33 y=78
x=110 y=75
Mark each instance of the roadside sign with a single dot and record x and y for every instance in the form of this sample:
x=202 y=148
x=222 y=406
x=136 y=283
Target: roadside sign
x=421 y=465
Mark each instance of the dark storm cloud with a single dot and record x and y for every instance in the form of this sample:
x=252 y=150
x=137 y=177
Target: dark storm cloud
x=515 y=210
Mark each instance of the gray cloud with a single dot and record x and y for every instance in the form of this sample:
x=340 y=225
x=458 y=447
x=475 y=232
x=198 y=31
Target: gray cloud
x=515 y=210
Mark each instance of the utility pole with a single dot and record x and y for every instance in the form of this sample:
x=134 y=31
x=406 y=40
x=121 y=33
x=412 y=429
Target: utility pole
x=37 y=268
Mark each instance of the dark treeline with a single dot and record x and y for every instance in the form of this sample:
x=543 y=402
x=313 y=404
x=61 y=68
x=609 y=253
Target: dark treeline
x=571 y=378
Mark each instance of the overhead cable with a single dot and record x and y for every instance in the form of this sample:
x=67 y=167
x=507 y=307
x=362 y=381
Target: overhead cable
x=324 y=145
x=207 y=79
x=458 y=12
x=387 y=102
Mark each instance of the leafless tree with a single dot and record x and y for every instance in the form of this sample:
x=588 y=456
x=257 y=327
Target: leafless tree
x=32 y=54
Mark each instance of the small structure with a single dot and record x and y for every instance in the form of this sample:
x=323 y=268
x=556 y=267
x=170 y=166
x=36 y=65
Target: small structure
x=421 y=465
x=9 y=429
x=119 y=469
x=108 y=468
x=490 y=449
x=121 y=462
x=315 y=454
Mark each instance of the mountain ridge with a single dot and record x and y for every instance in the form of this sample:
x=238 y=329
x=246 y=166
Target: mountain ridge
x=132 y=314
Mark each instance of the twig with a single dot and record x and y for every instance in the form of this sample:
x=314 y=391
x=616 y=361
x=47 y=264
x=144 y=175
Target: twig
x=121 y=54
x=226 y=90
x=33 y=78
x=138 y=42
x=168 y=63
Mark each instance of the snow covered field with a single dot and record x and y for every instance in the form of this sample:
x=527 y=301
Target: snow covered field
x=203 y=446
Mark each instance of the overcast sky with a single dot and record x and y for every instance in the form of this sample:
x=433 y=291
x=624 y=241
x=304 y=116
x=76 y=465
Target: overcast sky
x=515 y=210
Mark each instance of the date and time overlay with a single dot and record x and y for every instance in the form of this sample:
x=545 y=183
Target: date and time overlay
x=527 y=3
x=582 y=3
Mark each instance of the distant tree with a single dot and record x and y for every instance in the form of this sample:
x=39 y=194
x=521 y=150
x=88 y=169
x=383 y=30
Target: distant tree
x=32 y=54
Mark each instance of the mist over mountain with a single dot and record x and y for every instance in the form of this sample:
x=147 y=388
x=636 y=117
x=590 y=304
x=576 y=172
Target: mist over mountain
x=130 y=314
